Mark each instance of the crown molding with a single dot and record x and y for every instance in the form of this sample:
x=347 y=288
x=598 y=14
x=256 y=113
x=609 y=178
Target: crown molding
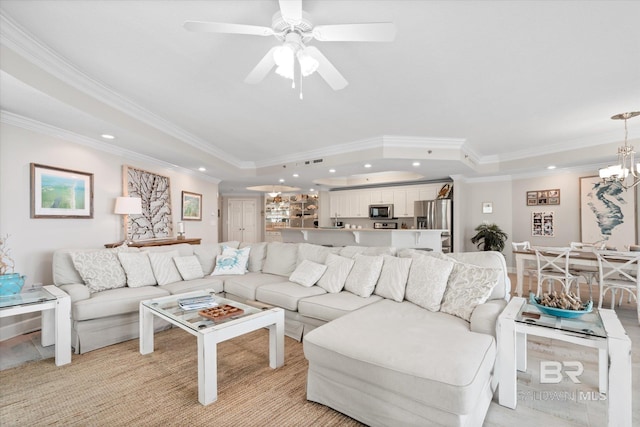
x=29 y=124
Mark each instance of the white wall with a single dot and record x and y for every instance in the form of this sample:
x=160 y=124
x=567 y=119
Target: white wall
x=32 y=241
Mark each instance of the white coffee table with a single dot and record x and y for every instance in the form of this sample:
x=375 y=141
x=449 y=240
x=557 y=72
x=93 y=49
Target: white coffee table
x=55 y=306
x=210 y=333
x=600 y=329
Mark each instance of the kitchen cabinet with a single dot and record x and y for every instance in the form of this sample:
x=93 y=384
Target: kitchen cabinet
x=339 y=204
x=383 y=196
x=358 y=202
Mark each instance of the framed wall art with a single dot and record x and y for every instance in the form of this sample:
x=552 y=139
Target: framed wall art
x=542 y=224
x=154 y=190
x=543 y=197
x=607 y=213
x=191 y=206
x=60 y=193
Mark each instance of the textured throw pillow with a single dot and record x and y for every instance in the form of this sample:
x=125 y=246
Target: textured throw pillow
x=393 y=278
x=164 y=268
x=364 y=275
x=256 y=255
x=189 y=267
x=100 y=270
x=469 y=285
x=307 y=273
x=427 y=281
x=315 y=253
x=281 y=258
x=338 y=268
x=232 y=261
x=137 y=268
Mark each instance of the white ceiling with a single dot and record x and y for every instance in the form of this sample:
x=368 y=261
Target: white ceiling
x=471 y=88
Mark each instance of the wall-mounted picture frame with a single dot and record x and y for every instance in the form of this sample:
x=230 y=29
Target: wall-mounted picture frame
x=608 y=213
x=191 y=206
x=60 y=193
x=542 y=224
x=155 y=191
x=487 y=207
x=543 y=197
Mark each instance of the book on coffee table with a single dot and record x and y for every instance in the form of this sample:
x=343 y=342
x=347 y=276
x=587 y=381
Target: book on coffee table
x=197 y=303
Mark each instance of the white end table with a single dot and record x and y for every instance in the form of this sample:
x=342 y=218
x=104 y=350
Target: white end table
x=600 y=329
x=55 y=306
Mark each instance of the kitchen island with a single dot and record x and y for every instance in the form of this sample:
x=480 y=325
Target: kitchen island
x=416 y=239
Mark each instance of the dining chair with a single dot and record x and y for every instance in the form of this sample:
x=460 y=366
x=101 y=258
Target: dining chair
x=530 y=272
x=553 y=266
x=619 y=271
x=590 y=274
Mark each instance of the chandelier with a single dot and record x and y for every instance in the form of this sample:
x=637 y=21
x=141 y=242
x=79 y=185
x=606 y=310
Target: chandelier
x=626 y=171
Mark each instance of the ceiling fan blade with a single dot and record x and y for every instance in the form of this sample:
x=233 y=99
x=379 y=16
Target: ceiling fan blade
x=372 y=32
x=262 y=69
x=221 y=27
x=291 y=11
x=326 y=69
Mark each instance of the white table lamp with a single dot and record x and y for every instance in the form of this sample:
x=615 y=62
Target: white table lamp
x=128 y=206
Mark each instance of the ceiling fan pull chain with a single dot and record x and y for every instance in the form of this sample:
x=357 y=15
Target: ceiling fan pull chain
x=301 y=86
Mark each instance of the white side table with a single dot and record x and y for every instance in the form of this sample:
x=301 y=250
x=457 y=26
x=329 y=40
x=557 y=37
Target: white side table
x=55 y=306
x=605 y=332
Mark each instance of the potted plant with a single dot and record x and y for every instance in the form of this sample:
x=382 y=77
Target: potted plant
x=10 y=283
x=489 y=237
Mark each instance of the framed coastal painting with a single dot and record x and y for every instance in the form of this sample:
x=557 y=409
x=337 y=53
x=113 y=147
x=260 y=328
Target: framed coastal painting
x=191 y=206
x=60 y=193
x=607 y=213
x=154 y=190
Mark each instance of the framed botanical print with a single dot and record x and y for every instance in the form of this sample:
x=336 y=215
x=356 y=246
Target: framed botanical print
x=60 y=193
x=154 y=190
x=191 y=206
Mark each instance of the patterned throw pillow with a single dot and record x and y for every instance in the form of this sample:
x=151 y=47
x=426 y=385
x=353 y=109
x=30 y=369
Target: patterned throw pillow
x=189 y=267
x=468 y=286
x=232 y=261
x=338 y=268
x=364 y=275
x=393 y=278
x=137 y=268
x=427 y=281
x=164 y=268
x=307 y=273
x=100 y=270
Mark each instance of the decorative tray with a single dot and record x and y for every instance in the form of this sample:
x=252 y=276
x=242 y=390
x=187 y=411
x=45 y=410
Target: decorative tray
x=559 y=312
x=221 y=312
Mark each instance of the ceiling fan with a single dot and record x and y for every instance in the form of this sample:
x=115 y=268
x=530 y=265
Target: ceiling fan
x=292 y=27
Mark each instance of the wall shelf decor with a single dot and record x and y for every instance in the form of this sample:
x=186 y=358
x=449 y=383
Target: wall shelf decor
x=154 y=190
x=60 y=193
x=543 y=197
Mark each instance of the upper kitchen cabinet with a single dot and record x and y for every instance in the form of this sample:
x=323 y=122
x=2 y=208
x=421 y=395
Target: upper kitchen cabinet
x=383 y=196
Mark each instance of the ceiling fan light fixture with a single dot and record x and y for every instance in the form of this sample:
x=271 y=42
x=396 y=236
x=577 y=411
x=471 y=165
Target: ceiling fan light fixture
x=308 y=64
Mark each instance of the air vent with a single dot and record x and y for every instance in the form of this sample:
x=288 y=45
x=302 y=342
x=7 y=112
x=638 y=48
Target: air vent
x=318 y=160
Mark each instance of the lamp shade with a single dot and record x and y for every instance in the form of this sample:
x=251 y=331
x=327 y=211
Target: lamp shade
x=128 y=205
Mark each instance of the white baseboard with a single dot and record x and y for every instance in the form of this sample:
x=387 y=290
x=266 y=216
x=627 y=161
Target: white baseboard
x=19 y=328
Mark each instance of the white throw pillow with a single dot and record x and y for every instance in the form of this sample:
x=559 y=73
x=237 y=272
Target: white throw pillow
x=338 y=268
x=281 y=258
x=232 y=261
x=307 y=273
x=364 y=275
x=315 y=253
x=393 y=278
x=164 y=268
x=189 y=267
x=100 y=270
x=468 y=286
x=137 y=268
x=427 y=281
x=256 y=255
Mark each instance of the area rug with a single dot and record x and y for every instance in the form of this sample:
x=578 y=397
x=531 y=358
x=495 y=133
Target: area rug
x=116 y=386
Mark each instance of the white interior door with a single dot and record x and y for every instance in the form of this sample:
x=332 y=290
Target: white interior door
x=242 y=226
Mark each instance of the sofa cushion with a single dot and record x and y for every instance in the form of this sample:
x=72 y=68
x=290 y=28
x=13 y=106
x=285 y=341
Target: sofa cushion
x=281 y=258
x=364 y=275
x=311 y=252
x=183 y=249
x=393 y=278
x=112 y=302
x=137 y=268
x=245 y=286
x=330 y=306
x=468 y=286
x=189 y=267
x=338 y=268
x=208 y=282
x=307 y=273
x=257 y=255
x=488 y=259
x=100 y=270
x=164 y=268
x=352 y=251
x=408 y=359
x=232 y=261
x=207 y=253
x=427 y=281
x=286 y=294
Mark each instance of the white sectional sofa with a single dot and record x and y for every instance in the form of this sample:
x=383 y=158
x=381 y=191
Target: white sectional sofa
x=392 y=338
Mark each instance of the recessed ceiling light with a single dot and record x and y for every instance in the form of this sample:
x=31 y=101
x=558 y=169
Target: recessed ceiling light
x=415 y=164
x=332 y=171
x=281 y=180
x=295 y=175
x=107 y=136
x=551 y=167
x=367 y=165
x=312 y=189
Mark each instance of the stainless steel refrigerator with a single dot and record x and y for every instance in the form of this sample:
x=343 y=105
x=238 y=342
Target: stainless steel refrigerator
x=436 y=214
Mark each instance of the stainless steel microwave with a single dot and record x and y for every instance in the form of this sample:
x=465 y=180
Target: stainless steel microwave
x=381 y=211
